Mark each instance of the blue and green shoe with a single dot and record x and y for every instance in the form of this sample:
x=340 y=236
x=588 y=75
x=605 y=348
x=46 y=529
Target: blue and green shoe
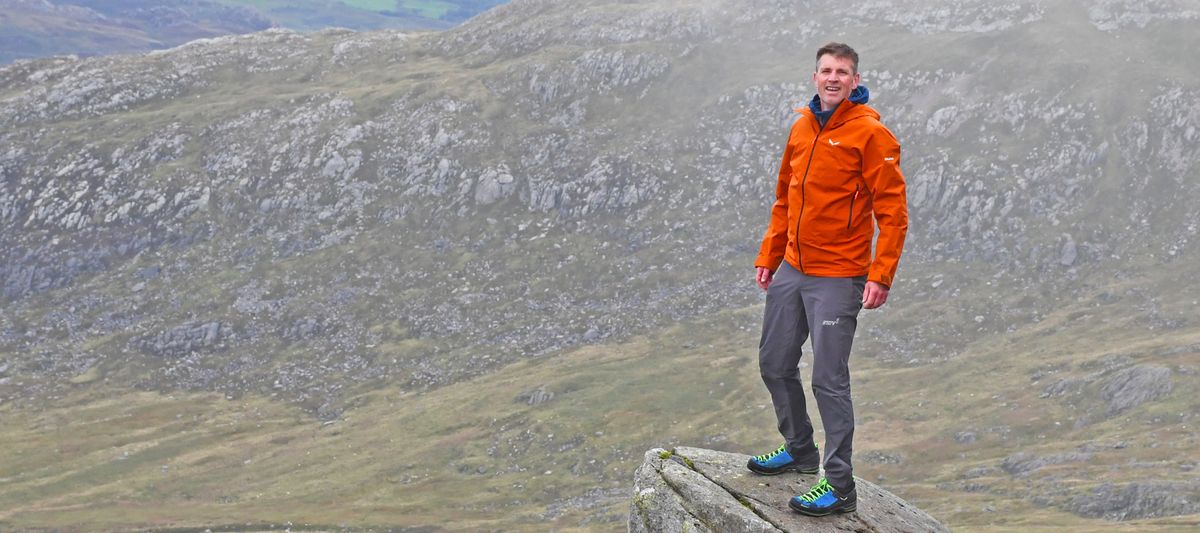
x=823 y=500
x=780 y=461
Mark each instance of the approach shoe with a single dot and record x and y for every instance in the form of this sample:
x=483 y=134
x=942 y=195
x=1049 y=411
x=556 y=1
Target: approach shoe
x=823 y=500
x=780 y=461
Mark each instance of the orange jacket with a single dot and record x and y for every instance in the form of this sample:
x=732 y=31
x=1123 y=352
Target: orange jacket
x=831 y=182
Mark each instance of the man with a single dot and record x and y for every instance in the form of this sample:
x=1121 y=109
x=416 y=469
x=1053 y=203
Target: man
x=839 y=178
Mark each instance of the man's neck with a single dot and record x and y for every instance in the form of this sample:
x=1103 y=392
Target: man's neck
x=825 y=114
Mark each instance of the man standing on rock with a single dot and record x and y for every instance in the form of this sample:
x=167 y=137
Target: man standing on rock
x=839 y=178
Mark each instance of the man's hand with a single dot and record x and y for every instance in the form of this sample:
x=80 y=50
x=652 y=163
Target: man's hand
x=874 y=295
x=763 y=277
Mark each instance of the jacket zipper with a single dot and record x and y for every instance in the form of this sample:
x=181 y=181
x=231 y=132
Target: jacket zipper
x=850 y=219
x=811 y=152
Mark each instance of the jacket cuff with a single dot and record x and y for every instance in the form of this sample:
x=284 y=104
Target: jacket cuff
x=769 y=263
x=880 y=278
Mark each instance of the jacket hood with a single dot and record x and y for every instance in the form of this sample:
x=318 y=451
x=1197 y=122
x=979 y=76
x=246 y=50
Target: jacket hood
x=860 y=95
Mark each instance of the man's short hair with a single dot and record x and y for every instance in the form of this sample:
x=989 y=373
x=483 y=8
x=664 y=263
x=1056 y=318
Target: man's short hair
x=839 y=50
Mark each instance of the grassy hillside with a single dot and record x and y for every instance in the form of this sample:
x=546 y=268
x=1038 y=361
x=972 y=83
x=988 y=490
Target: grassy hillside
x=478 y=455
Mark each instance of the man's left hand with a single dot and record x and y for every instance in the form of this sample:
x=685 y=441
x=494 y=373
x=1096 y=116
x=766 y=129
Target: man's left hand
x=874 y=295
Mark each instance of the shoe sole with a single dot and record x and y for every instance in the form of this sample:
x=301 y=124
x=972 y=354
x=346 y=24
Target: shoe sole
x=753 y=467
x=810 y=512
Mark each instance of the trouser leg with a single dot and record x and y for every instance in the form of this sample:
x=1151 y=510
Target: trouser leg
x=785 y=329
x=832 y=306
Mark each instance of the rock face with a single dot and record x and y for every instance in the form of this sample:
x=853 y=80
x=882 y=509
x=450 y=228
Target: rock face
x=693 y=489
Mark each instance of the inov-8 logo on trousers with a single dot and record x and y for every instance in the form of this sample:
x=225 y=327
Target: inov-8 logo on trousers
x=833 y=322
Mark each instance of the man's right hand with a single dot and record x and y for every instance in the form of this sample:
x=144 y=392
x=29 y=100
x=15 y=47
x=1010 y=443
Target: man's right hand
x=763 y=277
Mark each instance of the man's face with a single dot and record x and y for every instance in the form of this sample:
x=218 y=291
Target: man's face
x=835 y=78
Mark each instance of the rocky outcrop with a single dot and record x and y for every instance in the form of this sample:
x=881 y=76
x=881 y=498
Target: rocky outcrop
x=693 y=489
x=1134 y=386
x=1133 y=501
x=182 y=340
x=1113 y=389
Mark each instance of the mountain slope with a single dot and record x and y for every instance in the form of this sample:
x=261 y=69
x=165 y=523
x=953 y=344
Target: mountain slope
x=37 y=28
x=40 y=28
x=315 y=220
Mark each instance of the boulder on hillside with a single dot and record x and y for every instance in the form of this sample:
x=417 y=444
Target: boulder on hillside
x=1134 y=386
x=693 y=489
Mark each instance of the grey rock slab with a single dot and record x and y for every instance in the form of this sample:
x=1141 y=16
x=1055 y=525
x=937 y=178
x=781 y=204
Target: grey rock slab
x=1069 y=251
x=656 y=506
x=1134 y=386
x=716 y=489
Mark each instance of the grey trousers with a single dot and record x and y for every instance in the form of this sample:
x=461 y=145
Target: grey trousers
x=825 y=309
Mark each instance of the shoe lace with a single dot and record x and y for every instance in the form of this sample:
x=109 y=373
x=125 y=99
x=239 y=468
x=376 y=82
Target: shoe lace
x=817 y=491
x=768 y=456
